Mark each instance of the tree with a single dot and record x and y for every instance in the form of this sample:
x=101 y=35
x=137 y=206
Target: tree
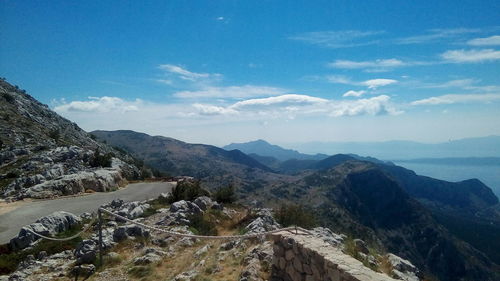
x=225 y=194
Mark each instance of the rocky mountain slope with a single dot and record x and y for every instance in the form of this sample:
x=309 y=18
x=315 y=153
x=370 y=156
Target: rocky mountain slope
x=361 y=199
x=43 y=155
x=216 y=167
x=133 y=253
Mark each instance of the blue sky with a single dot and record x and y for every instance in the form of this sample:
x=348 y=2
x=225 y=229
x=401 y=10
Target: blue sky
x=286 y=71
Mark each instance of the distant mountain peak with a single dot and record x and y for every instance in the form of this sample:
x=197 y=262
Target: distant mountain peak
x=264 y=148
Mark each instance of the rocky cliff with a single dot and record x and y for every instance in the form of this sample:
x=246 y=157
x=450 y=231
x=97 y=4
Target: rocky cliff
x=43 y=155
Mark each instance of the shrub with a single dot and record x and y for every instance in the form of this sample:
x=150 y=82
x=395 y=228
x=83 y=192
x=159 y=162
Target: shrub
x=225 y=194
x=294 y=214
x=8 y=97
x=141 y=271
x=54 y=134
x=187 y=190
x=101 y=160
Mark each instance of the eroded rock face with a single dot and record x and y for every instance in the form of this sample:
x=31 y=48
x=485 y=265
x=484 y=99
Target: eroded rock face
x=50 y=225
x=404 y=269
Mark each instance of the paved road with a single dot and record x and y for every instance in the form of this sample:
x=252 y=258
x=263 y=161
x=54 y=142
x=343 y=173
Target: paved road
x=11 y=222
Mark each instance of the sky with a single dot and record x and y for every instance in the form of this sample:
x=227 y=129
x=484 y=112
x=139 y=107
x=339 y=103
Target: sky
x=221 y=71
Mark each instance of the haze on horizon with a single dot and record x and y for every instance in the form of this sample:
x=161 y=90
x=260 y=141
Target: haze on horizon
x=221 y=72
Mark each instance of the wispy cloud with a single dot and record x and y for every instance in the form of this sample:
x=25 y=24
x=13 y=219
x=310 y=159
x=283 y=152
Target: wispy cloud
x=378 y=65
x=457 y=98
x=471 y=56
x=458 y=83
x=437 y=35
x=486 y=41
x=245 y=91
x=338 y=39
x=185 y=74
x=371 y=84
x=98 y=104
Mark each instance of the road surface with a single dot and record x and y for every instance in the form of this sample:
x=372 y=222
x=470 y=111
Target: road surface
x=11 y=222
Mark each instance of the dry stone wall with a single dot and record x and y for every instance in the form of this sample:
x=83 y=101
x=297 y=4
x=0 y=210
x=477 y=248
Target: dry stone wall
x=307 y=258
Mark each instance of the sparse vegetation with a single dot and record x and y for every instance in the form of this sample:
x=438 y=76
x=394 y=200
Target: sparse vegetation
x=225 y=195
x=10 y=260
x=140 y=271
x=294 y=214
x=203 y=225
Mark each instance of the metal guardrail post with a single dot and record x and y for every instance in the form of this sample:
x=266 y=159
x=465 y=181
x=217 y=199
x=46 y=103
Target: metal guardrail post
x=100 y=235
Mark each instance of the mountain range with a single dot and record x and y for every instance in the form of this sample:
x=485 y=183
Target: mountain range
x=449 y=230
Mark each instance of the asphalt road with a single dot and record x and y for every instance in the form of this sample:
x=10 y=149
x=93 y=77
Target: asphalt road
x=11 y=222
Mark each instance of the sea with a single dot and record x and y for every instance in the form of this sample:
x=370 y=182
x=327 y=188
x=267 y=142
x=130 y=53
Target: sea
x=489 y=175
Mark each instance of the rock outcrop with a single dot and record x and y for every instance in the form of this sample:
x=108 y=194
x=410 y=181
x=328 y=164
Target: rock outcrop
x=43 y=155
x=50 y=225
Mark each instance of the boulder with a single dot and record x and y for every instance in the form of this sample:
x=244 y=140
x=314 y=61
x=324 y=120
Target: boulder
x=50 y=225
x=204 y=202
x=328 y=236
x=86 y=252
x=131 y=230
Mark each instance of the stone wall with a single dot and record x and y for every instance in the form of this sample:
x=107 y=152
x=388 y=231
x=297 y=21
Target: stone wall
x=301 y=257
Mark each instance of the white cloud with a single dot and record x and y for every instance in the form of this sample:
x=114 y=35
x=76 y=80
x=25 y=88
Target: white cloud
x=352 y=93
x=245 y=91
x=375 y=83
x=290 y=106
x=207 y=109
x=454 y=98
x=471 y=56
x=379 y=105
x=99 y=104
x=338 y=39
x=374 y=65
x=283 y=99
x=487 y=41
x=220 y=18
x=371 y=84
x=185 y=74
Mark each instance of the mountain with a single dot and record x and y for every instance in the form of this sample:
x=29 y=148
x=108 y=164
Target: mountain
x=361 y=199
x=43 y=155
x=213 y=165
x=469 y=147
x=263 y=148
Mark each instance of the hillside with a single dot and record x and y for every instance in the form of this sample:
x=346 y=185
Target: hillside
x=263 y=148
x=43 y=155
x=214 y=166
x=361 y=199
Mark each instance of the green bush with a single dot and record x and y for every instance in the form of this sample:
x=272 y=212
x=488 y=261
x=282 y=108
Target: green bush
x=187 y=190
x=54 y=134
x=225 y=195
x=294 y=214
x=101 y=160
x=8 y=97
